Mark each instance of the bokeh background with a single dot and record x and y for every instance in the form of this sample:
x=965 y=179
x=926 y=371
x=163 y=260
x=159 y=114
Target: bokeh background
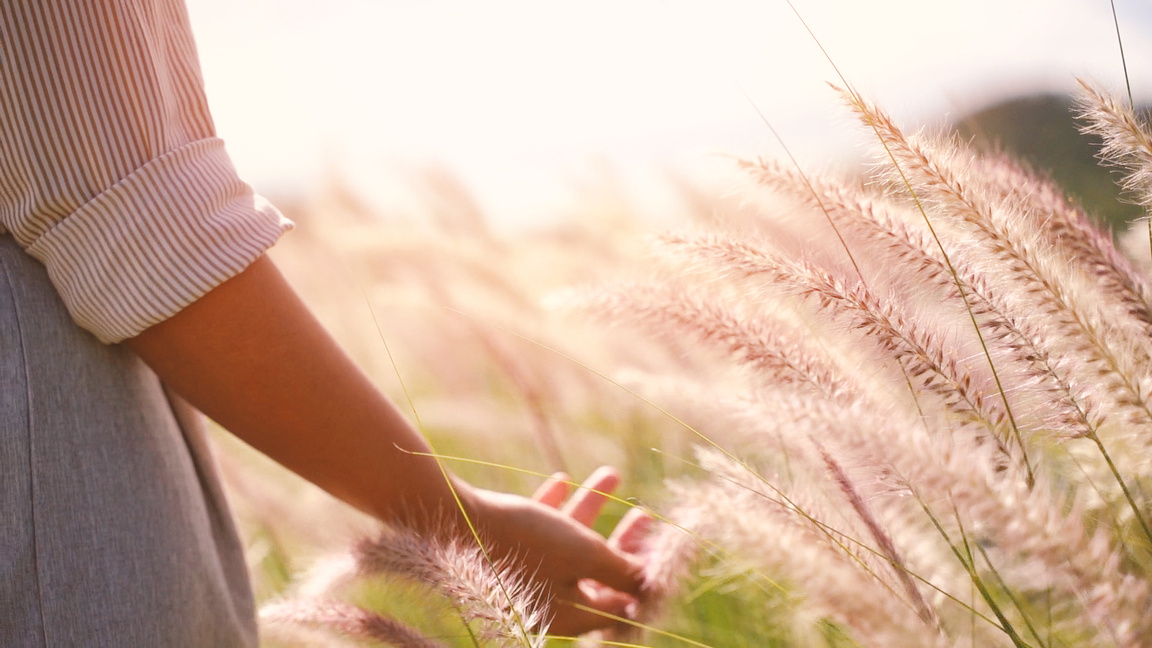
x=529 y=104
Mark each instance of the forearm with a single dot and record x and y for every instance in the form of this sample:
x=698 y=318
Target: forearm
x=252 y=357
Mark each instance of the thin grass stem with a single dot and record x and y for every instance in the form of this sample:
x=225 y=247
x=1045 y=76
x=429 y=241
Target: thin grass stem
x=1123 y=59
x=858 y=102
x=451 y=487
x=1123 y=487
x=643 y=626
x=1008 y=592
x=1005 y=625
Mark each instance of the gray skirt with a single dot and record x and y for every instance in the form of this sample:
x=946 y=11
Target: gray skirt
x=114 y=528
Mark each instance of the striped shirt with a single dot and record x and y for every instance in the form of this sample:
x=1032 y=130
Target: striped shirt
x=111 y=173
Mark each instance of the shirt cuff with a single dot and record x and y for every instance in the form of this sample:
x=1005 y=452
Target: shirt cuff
x=157 y=241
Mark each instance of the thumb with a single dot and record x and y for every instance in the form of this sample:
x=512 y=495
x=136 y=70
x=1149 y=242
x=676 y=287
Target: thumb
x=593 y=607
x=612 y=567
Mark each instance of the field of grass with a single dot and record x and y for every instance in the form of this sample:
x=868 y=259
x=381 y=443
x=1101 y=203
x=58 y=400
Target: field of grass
x=907 y=409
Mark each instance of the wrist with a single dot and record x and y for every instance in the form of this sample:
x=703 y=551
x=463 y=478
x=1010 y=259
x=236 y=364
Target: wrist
x=461 y=507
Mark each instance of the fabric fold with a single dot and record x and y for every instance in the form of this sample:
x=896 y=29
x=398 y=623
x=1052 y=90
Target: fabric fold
x=156 y=241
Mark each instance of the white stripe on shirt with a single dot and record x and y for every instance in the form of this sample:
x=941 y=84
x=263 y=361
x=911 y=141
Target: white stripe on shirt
x=110 y=170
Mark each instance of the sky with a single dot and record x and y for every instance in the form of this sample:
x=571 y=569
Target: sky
x=529 y=102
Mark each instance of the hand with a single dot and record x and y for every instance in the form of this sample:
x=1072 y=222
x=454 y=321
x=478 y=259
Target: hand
x=551 y=538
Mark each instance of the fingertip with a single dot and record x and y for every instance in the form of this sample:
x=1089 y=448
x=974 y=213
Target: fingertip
x=594 y=608
x=586 y=504
x=615 y=603
x=554 y=489
x=604 y=478
x=631 y=530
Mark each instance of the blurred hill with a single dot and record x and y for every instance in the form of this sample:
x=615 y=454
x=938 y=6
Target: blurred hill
x=1042 y=131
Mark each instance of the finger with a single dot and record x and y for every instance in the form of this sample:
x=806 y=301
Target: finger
x=586 y=504
x=615 y=568
x=590 y=607
x=553 y=491
x=629 y=534
x=608 y=601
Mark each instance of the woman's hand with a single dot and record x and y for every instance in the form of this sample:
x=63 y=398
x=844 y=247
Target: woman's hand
x=550 y=536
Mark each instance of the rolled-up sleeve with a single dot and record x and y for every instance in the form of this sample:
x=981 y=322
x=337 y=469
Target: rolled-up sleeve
x=110 y=170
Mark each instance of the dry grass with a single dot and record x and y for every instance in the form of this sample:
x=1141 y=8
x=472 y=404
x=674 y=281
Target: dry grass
x=919 y=403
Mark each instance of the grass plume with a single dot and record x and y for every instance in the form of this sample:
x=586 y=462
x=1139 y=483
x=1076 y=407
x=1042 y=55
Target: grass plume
x=942 y=437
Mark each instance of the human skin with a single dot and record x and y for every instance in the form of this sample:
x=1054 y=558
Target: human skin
x=251 y=356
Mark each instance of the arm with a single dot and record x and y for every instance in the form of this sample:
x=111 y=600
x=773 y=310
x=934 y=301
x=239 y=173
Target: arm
x=251 y=356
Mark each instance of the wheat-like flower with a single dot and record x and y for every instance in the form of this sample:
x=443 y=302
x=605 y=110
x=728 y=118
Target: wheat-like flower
x=1029 y=533
x=498 y=600
x=784 y=535
x=1071 y=231
x=1127 y=142
x=307 y=621
x=1109 y=355
x=888 y=229
x=1000 y=499
x=774 y=350
x=924 y=354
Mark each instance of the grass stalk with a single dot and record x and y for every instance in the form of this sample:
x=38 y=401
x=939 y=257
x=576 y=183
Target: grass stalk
x=965 y=558
x=521 y=627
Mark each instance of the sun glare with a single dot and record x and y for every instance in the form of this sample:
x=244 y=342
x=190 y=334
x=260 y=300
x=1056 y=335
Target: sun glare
x=520 y=98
